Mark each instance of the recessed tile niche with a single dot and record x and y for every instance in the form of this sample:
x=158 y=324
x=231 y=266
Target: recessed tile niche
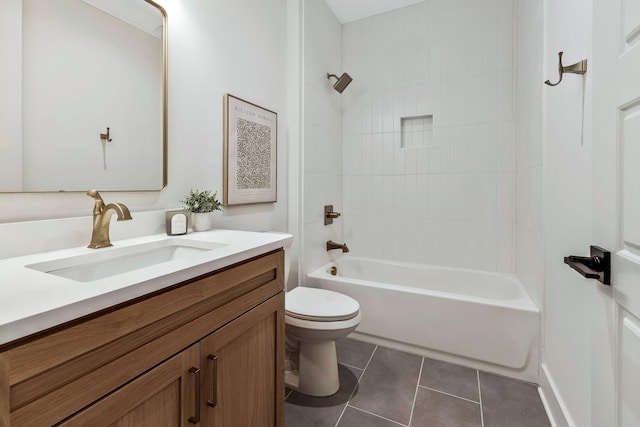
x=417 y=131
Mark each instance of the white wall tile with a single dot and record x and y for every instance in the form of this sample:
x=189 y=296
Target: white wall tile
x=367 y=154
x=377 y=154
x=423 y=98
x=388 y=111
x=505 y=27
x=477 y=149
x=504 y=262
x=456 y=197
x=398 y=154
x=489 y=35
x=505 y=147
x=489 y=92
x=435 y=154
x=448 y=195
x=489 y=197
x=399 y=203
x=366 y=113
x=448 y=253
x=489 y=251
x=422 y=154
x=422 y=197
x=469 y=245
x=446 y=146
x=505 y=197
x=376 y=112
x=461 y=197
x=475 y=99
x=435 y=61
x=460 y=55
x=461 y=150
x=504 y=96
x=388 y=189
x=388 y=149
x=411 y=196
x=410 y=160
x=475 y=195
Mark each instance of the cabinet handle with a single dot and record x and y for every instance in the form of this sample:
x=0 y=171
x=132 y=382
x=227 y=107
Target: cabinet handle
x=196 y=419
x=214 y=392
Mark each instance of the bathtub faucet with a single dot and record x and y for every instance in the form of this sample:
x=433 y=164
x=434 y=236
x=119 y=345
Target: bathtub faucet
x=333 y=245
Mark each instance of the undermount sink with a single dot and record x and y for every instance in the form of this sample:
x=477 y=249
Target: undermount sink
x=109 y=262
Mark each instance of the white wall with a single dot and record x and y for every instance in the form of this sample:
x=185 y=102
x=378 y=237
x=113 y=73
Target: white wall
x=322 y=122
x=10 y=101
x=452 y=202
x=566 y=360
x=234 y=46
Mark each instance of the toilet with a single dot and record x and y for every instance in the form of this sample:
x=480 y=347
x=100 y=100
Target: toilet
x=314 y=319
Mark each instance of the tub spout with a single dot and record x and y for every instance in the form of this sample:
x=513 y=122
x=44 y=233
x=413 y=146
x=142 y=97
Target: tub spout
x=333 y=245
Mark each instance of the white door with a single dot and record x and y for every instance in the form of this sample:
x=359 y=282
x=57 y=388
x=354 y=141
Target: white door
x=616 y=211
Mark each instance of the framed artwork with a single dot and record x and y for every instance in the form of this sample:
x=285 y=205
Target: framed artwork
x=250 y=143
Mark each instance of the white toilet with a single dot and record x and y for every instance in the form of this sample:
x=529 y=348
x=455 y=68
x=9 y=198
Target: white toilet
x=314 y=319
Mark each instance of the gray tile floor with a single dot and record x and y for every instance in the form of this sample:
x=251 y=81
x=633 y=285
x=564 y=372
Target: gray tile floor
x=381 y=387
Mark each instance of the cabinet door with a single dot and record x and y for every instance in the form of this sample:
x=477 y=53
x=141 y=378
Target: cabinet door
x=165 y=396
x=243 y=382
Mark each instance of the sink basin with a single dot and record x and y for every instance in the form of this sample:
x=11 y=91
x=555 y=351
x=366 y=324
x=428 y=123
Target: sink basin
x=110 y=262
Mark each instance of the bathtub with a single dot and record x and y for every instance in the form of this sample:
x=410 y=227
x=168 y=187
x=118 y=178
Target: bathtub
x=474 y=318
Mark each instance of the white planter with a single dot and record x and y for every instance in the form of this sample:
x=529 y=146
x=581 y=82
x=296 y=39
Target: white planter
x=201 y=221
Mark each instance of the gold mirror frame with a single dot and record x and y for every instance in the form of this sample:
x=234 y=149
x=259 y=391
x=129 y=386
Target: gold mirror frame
x=165 y=118
x=165 y=93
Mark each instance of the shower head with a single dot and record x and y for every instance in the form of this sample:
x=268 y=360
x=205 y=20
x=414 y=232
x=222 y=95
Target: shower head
x=342 y=81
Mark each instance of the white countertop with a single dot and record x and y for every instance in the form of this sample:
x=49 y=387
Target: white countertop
x=32 y=301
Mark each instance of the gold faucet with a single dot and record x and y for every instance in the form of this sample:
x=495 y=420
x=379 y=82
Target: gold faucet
x=102 y=217
x=333 y=245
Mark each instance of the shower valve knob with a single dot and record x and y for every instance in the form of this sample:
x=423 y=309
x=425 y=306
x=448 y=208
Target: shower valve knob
x=329 y=214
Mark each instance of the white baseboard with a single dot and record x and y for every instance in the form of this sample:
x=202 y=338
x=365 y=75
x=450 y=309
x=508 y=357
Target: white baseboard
x=553 y=404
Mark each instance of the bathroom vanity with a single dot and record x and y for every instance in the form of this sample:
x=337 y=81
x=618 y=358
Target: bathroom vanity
x=193 y=341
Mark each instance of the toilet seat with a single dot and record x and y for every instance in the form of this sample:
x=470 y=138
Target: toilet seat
x=320 y=305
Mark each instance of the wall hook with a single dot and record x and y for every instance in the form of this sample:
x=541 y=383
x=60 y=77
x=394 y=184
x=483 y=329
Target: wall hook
x=577 y=68
x=105 y=136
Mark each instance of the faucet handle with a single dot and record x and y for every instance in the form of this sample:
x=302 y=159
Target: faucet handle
x=99 y=204
x=95 y=194
x=329 y=214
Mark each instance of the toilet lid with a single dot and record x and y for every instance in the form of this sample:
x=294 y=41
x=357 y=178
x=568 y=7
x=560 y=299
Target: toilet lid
x=320 y=305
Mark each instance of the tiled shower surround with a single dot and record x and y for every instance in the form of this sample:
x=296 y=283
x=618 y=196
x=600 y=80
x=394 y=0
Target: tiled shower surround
x=450 y=202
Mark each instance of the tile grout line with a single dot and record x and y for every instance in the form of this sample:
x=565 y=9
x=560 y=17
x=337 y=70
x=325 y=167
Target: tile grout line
x=351 y=366
x=449 y=394
x=480 y=398
x=377 y=416
x=415 y=394
x=356 y=387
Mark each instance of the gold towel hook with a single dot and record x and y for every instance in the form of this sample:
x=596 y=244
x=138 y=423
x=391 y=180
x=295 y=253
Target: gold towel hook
x=577 y=68
x=105 y=136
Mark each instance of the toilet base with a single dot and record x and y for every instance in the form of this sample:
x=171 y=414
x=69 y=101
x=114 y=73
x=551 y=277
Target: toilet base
x=317 y=373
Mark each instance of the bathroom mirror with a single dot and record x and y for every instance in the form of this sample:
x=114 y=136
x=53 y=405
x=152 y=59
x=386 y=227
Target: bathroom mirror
x=87 y=96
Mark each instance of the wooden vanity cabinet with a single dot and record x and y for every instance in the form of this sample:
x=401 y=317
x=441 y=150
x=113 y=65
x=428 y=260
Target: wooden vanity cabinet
x=161 y=397
x=208 y=352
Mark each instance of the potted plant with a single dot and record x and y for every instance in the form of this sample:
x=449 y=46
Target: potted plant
x=201 y=204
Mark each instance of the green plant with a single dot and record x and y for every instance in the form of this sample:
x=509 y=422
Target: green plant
x=201 y=201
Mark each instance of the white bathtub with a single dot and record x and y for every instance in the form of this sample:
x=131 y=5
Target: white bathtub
x=478 y=319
